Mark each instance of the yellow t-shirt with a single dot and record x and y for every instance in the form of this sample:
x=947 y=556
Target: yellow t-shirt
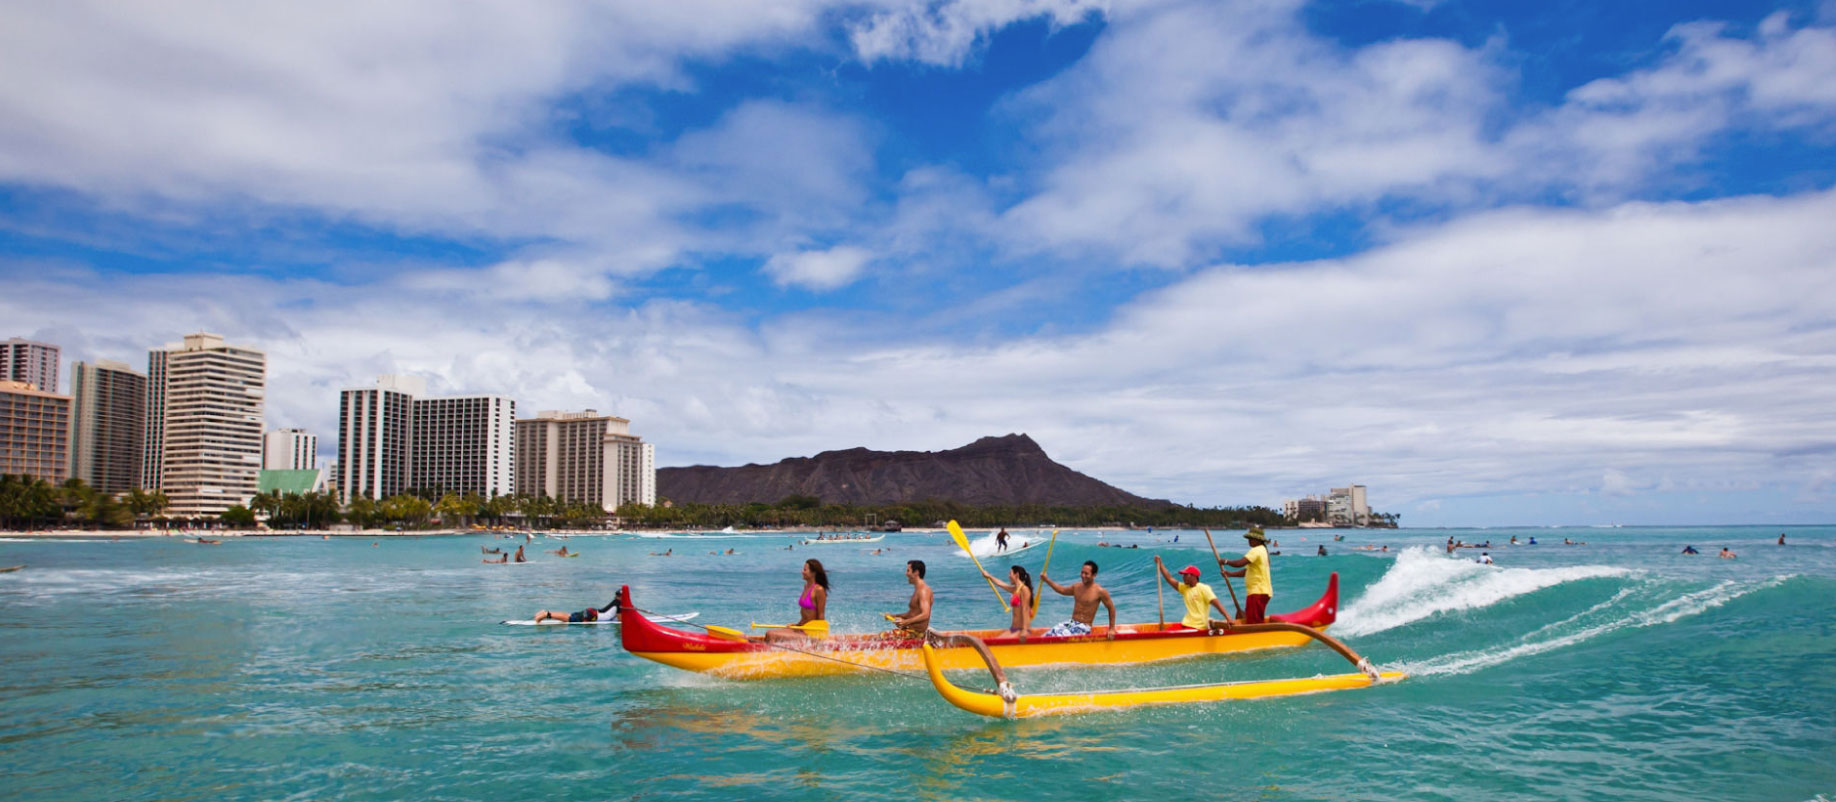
x=1256 y=574
x=1198 y=604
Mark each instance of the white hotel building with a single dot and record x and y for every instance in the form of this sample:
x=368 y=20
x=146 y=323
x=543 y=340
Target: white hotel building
x=391 y=441
x=203 y=443
x=585 y=457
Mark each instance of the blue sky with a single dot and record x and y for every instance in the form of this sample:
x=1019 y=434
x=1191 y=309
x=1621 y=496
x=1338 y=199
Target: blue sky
x=1504 y=263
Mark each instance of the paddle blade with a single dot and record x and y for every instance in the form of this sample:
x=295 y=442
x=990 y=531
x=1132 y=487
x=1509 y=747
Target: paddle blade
x=725 y=633
x=962 y=540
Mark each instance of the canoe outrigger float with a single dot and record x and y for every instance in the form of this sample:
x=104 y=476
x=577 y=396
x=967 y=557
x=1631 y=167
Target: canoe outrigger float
x=741 y=657
x=1005 y=702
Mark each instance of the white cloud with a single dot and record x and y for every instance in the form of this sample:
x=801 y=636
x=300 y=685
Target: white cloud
x=819 y=270
x=946 y=33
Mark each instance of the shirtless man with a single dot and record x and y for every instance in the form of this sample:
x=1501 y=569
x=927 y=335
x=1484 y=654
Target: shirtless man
x=1085 y=595
x=917 y=616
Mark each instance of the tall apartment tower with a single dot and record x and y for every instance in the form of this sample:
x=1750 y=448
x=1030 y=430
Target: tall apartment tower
x=34 y=432
x=34 y=363
x=205 y=402
x=464 y=445
x=584 y=457
x=108 y=425
x=289 y=450
x=375 y=425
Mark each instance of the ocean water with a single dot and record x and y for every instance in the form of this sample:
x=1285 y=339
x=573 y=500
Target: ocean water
x=289 y=668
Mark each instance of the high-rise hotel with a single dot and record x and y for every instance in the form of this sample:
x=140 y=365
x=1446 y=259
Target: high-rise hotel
x=203 y=442
x=34 y=432
x=585 y=457
x=392 y=441
x=108 y=425
x=289 y=450
x=34 y=363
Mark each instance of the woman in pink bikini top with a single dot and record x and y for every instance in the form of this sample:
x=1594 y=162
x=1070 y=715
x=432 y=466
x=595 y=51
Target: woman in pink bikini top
x=1020 y=583
x=811 y=606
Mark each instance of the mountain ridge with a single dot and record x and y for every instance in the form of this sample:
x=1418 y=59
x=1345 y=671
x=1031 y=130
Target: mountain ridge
x=1007 y=470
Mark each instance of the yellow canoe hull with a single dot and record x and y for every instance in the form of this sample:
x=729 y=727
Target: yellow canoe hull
x=1030 y=706
x=816 y=658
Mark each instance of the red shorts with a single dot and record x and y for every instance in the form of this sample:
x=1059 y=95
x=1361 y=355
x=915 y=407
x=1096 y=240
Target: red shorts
x=1255 y=608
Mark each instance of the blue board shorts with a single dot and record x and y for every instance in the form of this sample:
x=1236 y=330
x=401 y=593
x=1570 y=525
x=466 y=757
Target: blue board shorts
x=1068 y=628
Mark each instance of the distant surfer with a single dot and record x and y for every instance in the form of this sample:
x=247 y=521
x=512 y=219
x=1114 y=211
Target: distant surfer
x=1085 y=595
x=501 y=559
x=584 y=616
x=1781 y=538
x=1690 y=550
x=917 y=616
x=519 y=558
x=1485 y=558
x=1001 y=540
x=1198 y=597
x=664 y=553
x=1254 y=565
x=1727 y=555
x=1321 y=552
x=492 y=550
x=562 y=552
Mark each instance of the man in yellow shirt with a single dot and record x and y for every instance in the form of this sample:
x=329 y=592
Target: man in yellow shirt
x=1198 y=597
x=1255 y=573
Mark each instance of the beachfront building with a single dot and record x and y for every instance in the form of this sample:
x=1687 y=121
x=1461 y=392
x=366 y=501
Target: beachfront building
x=1346 y=506
x=205 y=402
x=391 y=440
x=465 y=444
x=108 y=423
x=34 y=432
x=1341 y=506
x=34 y=363
x=289 y=450
x=585 y=457
x=374 y=429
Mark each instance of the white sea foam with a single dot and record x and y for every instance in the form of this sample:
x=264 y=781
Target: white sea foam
x=985 y=547
x=1553 y=636
x=1422 y=583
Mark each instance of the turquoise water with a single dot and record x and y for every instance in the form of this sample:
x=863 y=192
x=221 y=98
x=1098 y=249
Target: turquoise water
x=305 y=669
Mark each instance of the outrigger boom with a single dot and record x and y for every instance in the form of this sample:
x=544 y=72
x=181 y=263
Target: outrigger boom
x=1005 y=702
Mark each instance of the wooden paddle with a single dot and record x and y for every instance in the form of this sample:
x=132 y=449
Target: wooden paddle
x=1159 y=597
x=1040 y=585
x=962 y=542
x=1227 y=585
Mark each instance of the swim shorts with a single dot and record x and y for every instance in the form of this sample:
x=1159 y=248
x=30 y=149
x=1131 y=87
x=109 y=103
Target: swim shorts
x=588 y=614
x=1068 y=628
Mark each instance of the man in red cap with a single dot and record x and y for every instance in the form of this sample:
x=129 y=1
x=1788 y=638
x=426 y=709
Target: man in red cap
x=1255 y=573
x=1198 y=597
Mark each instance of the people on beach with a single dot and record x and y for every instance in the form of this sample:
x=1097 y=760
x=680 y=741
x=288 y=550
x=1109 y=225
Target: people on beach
x=1727 y=555
x=812 y=605
x=1085 y=595
x=1257 y=584
x=589 y=614
x=1690 y=550
x=1020 y=583
x=1198 y=598
x=917 y=616
x=1001 y=540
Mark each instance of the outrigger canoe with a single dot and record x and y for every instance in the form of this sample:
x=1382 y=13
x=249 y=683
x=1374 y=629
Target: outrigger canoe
x=752 y=658
x=1006 y=702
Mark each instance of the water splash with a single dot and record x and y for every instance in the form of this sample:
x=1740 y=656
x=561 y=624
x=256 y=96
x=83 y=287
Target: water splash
x=1423 y=583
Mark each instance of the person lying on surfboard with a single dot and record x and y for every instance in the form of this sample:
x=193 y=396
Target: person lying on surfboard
x=589 y=614
x=917 y=616
x=811 y=606
x=561 y=552
x=1198 y=596
x=1085 y=595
